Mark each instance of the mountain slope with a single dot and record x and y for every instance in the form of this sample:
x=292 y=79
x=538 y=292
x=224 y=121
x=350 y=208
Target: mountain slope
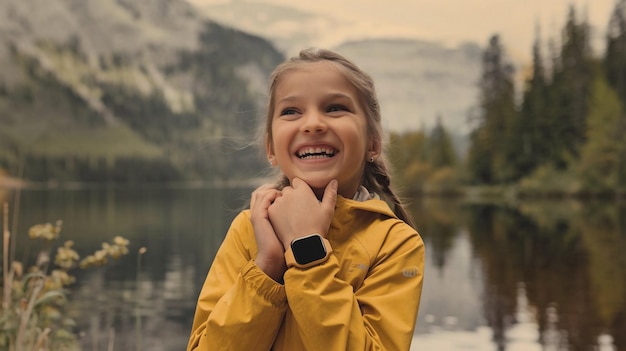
x=120 y=90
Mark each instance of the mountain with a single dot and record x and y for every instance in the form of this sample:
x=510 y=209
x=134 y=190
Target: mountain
x=417 y=80
x=288 y=28
x=122 y=90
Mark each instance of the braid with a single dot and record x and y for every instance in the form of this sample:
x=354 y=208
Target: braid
x=376 y=178
x=282 y=182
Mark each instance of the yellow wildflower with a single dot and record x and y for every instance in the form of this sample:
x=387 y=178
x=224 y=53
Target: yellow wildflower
x=66 y=256
x=45 y=231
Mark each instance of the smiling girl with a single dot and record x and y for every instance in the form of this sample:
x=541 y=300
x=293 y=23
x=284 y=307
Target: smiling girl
x=327 y=259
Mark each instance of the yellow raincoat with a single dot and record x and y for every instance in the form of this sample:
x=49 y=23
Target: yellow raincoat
x=364 y=297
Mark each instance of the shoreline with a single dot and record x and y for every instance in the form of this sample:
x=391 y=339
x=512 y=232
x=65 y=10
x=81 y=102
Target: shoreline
x=470 y=193
x=8 y=183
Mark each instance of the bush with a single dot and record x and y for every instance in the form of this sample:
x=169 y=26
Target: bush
x=549 y=181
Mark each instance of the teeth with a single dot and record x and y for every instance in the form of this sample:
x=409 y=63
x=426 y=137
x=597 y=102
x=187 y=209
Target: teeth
x=318 y=152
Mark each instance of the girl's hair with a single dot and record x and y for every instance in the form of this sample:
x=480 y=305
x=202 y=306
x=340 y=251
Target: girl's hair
x=375 y=175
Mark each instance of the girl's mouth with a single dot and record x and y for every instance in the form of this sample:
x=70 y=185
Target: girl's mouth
x=309 y=153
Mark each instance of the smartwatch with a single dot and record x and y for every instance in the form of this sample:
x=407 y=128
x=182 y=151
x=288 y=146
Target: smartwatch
x=308 y=251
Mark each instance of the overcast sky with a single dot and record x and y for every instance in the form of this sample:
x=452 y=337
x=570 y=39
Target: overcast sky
x=452 y=21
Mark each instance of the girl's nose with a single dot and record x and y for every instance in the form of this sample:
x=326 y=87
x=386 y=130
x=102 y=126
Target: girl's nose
x=313 y=122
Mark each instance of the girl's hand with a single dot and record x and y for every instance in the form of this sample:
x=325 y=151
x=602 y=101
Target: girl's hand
x=298 y=212
x=271 y=255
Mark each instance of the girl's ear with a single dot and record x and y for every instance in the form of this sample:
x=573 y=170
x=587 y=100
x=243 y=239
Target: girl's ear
x=374 y=150
x=269 y=149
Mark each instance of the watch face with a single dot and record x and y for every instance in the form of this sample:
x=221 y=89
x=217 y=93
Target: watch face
x=308 y=249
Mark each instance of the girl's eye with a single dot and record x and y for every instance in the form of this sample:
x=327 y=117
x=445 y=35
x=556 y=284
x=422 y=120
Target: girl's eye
x=336 y=108
x=288 y=111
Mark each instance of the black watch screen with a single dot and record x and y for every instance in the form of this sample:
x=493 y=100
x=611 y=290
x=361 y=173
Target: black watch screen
x=308 y=249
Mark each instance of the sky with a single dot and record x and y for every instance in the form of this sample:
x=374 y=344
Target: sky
x=447 y=22
x=454 y=21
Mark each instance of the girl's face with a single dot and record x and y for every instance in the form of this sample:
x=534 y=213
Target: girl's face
x=319 y=130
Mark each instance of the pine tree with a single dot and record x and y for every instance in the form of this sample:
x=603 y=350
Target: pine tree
x=615 y=67
x=487 y=156
x=569 y=91
x=615 y=58
x=530 y=138
x=440 y=150
x=600 y=162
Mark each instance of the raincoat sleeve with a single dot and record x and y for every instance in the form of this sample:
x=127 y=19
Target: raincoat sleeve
x=379 y=315
x=239 y=307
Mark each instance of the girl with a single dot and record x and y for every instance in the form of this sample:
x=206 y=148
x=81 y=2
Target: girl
x=319 y=261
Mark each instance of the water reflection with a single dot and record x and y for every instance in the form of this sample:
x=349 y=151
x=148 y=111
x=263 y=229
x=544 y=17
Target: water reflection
x=181 y=229
x=529 y=276
x=558 y=265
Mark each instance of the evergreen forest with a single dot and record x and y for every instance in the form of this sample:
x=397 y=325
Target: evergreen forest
x=562 y=134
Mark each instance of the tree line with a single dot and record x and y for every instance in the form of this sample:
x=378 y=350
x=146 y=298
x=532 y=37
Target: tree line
x=565 y=132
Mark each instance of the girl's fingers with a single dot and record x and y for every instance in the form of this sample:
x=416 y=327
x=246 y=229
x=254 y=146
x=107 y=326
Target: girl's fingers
x=263 y=198
x=260 y=190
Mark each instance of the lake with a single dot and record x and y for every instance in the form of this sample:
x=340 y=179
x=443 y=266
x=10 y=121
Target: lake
x=525 y=275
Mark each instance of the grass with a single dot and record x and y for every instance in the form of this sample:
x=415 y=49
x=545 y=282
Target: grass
x=115 y=141
x=32 y=316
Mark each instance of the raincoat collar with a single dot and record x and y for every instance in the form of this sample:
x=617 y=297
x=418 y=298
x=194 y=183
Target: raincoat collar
x=352 y=215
